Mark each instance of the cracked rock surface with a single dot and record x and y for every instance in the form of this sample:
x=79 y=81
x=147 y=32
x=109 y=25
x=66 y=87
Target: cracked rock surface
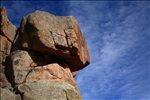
x=48 y=90
x=57 y=35
x=26 y=69
x=39 y=60
x=7 y=33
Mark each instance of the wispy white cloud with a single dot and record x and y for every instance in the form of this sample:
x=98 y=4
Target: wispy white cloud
x=114 y=31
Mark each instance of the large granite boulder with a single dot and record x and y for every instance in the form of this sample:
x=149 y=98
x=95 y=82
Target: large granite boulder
x=57 y=35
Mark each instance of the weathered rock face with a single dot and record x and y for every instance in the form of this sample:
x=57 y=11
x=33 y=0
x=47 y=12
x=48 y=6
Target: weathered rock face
x=57 y=35
x=41 y=60
x=7 y=95
x=28 y=67
x=7 y=29
x=48 y=90
x=7 y=33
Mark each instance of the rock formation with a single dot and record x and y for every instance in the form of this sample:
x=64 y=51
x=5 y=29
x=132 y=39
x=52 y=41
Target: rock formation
x=7 y=33
x=39 y=60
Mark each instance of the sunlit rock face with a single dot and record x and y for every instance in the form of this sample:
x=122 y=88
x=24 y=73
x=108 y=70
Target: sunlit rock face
x=39 y=60
x=58 y=35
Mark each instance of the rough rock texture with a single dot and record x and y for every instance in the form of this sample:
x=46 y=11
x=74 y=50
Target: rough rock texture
x=27 y=67
x=7 y=33
x=7 y=95
x=48 y=90
x=40 y=60
x=7 y=29
x=58 y=35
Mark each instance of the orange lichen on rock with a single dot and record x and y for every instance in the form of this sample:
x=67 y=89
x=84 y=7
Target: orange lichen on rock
x=60 y=36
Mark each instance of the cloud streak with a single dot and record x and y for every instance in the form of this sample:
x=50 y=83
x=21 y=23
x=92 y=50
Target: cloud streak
x=116 y=38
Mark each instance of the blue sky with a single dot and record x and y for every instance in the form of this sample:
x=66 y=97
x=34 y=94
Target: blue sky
x=118 y=39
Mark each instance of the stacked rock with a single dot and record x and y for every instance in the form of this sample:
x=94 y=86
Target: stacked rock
x=7 y=33
x=45 y=54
